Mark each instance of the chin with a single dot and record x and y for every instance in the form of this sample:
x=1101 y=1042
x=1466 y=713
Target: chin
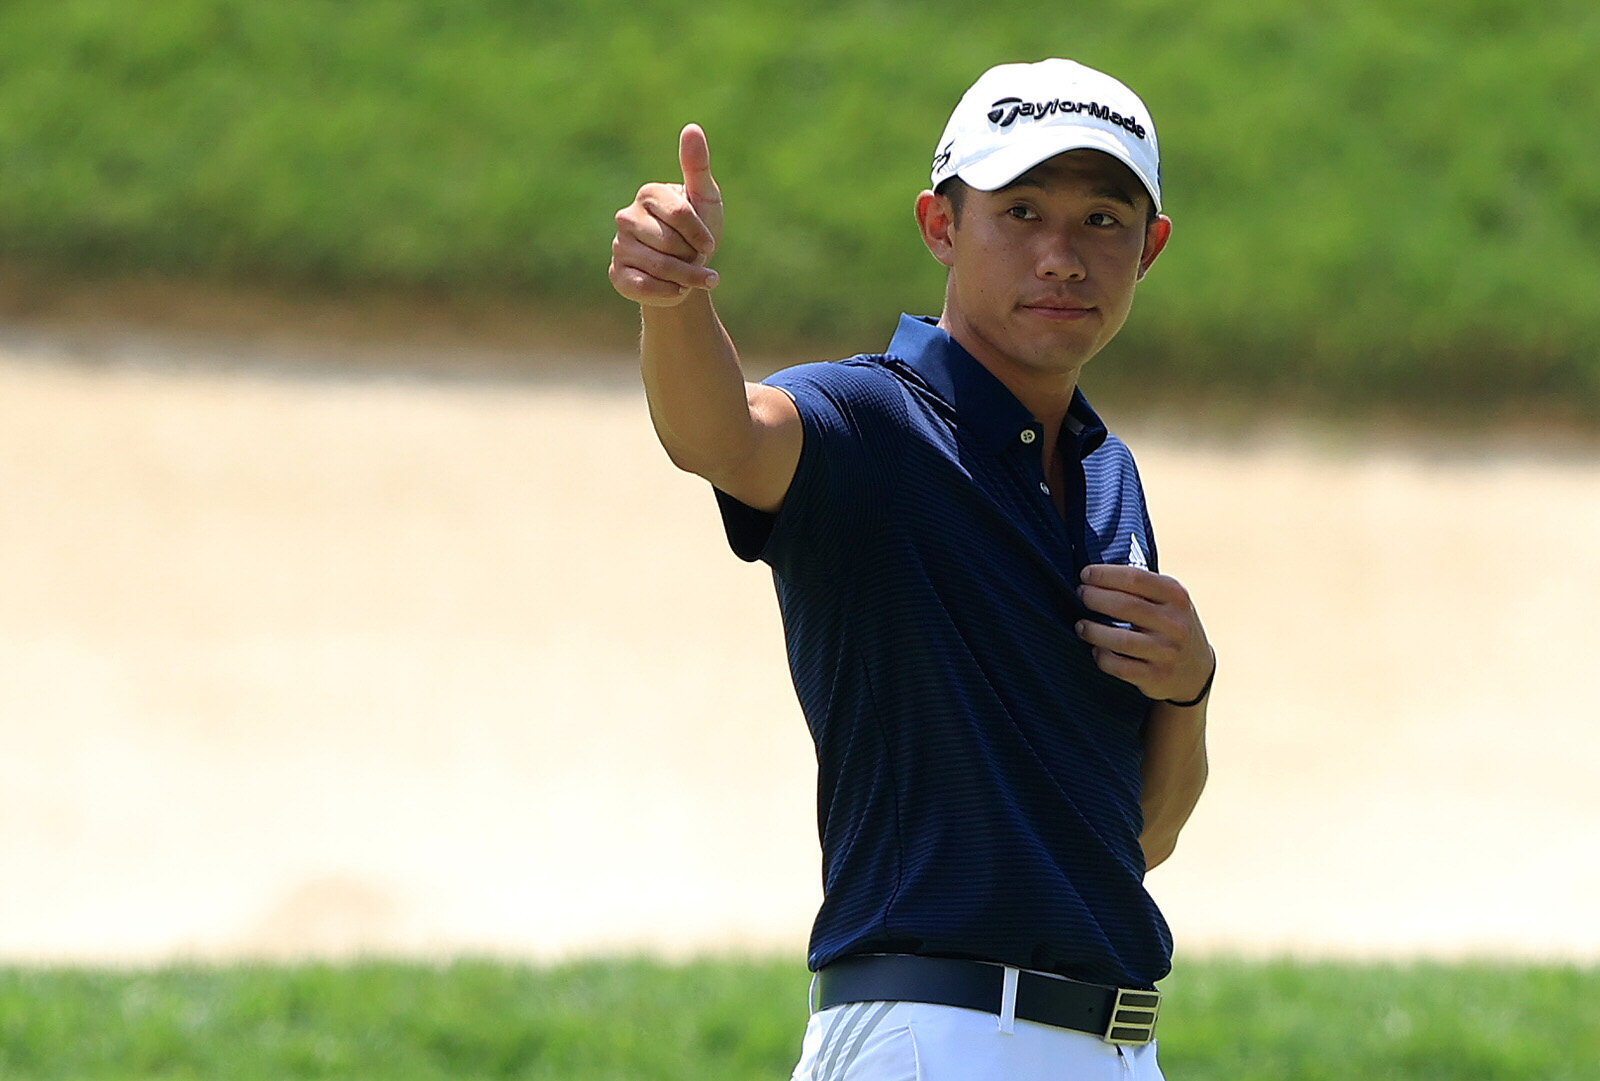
x=1068 y=354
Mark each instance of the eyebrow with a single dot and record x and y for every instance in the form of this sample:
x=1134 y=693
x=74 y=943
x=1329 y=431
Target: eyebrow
x=1105 y=189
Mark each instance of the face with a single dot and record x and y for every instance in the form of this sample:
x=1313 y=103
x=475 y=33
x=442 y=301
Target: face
x=1042 y=272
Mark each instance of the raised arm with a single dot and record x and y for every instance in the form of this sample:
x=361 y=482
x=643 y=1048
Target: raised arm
x=742 y=437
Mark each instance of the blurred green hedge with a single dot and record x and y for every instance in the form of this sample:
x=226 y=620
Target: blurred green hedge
x=1374 y=199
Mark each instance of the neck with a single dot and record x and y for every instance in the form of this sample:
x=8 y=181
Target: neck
x=1044 y=391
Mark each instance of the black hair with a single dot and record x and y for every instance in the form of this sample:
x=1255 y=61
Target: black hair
x=955 y=189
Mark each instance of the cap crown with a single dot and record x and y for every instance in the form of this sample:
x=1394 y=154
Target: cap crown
x=1018 y=115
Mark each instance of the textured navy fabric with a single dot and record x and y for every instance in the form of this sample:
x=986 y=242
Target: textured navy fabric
x=978 y=776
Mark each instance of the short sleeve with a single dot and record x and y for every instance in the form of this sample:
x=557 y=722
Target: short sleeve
x=853 y=414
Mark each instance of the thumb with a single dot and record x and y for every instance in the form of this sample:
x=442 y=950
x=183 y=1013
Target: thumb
x=694 y=156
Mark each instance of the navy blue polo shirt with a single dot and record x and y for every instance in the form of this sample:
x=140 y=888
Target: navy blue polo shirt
x=978 y=776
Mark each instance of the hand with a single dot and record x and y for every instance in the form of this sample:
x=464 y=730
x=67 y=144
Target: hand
x=666 y=235
x=1163 y=649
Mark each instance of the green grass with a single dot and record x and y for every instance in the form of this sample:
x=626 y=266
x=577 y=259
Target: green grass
x=708 y=1020
x=1376 y=199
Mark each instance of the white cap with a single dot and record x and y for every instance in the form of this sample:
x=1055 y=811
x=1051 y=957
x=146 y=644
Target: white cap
x=1017 y=115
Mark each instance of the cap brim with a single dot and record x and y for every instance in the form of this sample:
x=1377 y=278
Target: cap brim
x=1043 y=143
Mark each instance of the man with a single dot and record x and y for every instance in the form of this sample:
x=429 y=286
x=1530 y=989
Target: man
x=1008 y=701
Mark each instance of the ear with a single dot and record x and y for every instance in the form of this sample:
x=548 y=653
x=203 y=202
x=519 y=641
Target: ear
x=936 y=218
x=1155 y=238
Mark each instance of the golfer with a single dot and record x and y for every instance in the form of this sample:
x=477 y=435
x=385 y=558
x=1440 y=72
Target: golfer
x=1008 y=700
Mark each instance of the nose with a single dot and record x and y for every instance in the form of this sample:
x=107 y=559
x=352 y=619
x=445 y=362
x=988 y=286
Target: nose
x=1059 y=259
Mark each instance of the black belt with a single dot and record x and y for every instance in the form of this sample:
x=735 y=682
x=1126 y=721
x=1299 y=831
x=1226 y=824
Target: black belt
x=1115 y=1014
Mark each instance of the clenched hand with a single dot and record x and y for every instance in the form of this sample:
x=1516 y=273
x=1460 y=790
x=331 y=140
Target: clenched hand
x=667 y=235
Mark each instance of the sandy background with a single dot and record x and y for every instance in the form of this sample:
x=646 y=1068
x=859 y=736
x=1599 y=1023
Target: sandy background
x=308 y=656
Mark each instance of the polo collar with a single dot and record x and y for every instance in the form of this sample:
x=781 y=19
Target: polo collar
x=988 y=411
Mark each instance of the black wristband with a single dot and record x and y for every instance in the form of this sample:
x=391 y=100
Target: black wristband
x=1197 y=699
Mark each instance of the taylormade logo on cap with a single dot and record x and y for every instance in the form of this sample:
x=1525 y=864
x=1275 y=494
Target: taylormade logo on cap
x=1006 y=111
x=1018 y=115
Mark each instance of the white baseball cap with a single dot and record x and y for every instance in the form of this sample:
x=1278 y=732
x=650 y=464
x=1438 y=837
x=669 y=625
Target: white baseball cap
x=1017 y=115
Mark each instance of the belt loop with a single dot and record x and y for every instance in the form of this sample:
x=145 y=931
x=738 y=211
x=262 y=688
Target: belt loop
x=1008 y=1000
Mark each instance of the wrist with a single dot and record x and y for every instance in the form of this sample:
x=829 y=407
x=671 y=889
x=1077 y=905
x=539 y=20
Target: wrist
x=1205 y=689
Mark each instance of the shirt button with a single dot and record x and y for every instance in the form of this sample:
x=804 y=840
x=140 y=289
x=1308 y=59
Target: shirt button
x=1043 y=487
x=1029 y=435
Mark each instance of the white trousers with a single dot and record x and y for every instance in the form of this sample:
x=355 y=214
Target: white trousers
x=913 y=1041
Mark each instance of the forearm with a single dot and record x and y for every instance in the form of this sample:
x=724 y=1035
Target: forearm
x=1155 y=642
x=742 y=437
x=694 y=385
x=1174 y=775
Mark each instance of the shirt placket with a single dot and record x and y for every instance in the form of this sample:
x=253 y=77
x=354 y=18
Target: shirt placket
x=1067 y=533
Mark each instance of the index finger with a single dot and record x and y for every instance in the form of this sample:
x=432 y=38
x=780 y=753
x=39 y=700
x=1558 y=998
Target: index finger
x=1134 y=580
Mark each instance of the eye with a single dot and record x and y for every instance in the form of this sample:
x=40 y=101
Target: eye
x=1101 y=219
x=1022 y=212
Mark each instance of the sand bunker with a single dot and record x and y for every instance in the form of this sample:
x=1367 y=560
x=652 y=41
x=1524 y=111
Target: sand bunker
x=300 y=664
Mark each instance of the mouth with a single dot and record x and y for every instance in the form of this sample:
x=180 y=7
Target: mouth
x=1059 y=310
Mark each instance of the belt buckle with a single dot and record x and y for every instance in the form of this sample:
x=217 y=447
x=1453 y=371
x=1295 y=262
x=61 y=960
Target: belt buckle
x=1133 y=1017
